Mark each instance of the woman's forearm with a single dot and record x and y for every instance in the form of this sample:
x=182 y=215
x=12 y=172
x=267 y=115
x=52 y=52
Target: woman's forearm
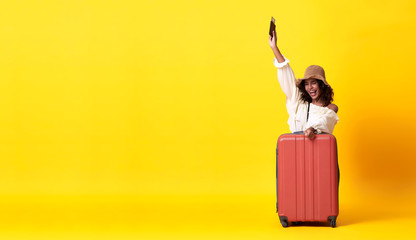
x=277 y=54
x=273 y=45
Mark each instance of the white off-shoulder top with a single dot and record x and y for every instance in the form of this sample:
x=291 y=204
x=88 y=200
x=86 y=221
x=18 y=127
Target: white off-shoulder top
x=322 y=119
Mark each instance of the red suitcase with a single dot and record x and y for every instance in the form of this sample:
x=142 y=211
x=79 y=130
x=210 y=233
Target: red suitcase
x=307 y=179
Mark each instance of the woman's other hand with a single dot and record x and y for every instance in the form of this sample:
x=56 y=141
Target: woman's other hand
x=272 y=41
x=310 y=133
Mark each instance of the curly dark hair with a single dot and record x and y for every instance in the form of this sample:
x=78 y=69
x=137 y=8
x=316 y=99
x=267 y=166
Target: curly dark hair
x=326 y=96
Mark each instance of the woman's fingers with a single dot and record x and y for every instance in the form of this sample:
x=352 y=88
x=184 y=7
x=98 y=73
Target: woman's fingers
x=309 y=134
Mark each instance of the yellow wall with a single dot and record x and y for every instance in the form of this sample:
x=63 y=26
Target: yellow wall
x=181 y=97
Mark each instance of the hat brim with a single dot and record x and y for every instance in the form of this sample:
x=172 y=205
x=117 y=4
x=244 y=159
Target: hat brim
x=313 y=76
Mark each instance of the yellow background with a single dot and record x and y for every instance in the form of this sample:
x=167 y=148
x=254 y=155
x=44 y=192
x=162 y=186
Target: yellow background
x=159 y=119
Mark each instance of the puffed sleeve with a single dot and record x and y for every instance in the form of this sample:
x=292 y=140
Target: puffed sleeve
x=287 y=82
x=323 y=121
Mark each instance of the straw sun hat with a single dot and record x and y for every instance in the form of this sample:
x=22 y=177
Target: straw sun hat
x=315 y=72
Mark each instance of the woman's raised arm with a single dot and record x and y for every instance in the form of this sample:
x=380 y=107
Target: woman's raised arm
x=285 y=76
x=276 y=51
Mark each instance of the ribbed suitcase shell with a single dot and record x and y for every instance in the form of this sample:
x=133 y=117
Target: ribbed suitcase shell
x=307 y=177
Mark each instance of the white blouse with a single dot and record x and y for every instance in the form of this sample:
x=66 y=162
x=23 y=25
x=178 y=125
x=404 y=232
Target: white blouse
x=322 y=119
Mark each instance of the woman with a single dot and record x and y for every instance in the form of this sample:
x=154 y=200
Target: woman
x=308 y=99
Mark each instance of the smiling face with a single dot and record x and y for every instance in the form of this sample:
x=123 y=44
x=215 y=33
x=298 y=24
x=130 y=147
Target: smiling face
x=312 y=88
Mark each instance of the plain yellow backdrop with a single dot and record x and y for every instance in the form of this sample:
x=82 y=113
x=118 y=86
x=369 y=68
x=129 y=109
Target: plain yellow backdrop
x=131 y=115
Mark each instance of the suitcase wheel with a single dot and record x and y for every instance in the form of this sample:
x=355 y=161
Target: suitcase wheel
x=333 y=220
x=284 y=222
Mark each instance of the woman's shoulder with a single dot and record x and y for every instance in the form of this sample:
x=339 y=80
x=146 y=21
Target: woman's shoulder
x=333 y=107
